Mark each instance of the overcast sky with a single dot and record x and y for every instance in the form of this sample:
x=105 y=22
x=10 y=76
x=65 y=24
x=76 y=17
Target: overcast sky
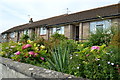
x=15 y=12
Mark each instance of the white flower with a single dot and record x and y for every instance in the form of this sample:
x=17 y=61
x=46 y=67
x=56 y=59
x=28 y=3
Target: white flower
x=71 y=57
x=107 y=53
x=108 y=62
x=76 y=54
x=78 y=67
x=99 y=65
x=7 y=48
x=112 y=63
x=12 y=46
x=97 y=59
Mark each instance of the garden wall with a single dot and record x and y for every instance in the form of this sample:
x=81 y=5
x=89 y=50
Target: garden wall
x=13 y=69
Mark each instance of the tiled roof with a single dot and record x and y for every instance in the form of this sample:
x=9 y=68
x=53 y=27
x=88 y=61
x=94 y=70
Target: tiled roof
x=105 y=11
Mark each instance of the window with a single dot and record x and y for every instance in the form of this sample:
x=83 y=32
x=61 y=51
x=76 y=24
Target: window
x=4 y=36
x=12 y=35
x=26 y=32
x=59 y=30
x=99 y=25
x=42 y=31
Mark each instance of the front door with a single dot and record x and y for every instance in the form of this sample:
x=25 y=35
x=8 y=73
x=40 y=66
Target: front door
x=77 y=33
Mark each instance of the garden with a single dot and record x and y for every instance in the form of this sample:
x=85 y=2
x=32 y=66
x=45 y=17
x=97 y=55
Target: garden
x=97 y=58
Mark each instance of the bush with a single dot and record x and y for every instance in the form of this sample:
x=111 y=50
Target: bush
x=24 y=38
x=101 y=37
x=57 y=36
x=96 y=62
x=28 y=52
x=59 y=59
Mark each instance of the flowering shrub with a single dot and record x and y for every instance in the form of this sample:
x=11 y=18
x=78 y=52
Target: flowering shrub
x=95 y=62
x=30 y=52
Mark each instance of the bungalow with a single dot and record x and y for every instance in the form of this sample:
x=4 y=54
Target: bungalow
x=75 y=26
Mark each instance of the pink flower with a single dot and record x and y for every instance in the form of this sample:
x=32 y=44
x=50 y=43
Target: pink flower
x=42 y=58
x=35 y=54
x=23 y=47
x=26 y=46
x=31 y=53
x=17 y=53
x=95 y=47
x=12 y=46
x=87 y=54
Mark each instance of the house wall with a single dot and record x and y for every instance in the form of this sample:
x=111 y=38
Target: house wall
x=69 y=31
x=86 y=30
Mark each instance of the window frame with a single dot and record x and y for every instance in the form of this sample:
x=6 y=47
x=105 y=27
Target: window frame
x=58 y=30
x=43 y=31
x=96 y=24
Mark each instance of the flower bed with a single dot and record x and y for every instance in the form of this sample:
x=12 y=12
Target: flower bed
x=80 y=59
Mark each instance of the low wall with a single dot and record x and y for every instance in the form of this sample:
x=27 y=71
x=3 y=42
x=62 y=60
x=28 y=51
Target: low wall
x=13 y=69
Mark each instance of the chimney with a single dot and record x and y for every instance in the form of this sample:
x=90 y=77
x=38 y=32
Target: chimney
x=31 y=20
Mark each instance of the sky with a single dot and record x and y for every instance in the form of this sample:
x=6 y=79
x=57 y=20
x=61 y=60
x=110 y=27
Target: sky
x=18 y=12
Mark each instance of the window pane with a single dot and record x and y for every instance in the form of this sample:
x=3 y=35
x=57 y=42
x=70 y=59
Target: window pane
x=42 y=31
x=54 y=30
x=99 y=25
x=25 y=31
x=12 y=35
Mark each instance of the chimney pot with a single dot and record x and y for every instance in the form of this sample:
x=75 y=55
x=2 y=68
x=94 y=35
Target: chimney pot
x=31 y=20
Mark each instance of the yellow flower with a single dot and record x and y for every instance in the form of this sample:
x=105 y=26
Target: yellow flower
x=29 y=41
x=85 y=62
x=35 y=44
x=91 y=50
x=2 y=53
x=36 y=48
x=42 y=47
x=82 y=45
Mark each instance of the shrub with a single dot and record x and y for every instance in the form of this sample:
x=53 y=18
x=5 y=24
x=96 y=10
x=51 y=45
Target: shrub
x=58 y=36
x=96 y=62
x=59 y=59
x=28 y=52
x=24 y=38
x=101 y=37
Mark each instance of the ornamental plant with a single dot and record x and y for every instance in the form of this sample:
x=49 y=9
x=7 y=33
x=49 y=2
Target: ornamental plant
x=28 y=52
x=101 y=36
x=95 y=62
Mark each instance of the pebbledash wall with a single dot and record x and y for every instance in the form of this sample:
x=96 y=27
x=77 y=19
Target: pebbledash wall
x=12 y=69
x=75 y=26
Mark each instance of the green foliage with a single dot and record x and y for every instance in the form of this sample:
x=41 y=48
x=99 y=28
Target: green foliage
x=11 y=50
x=116 y=40
x=95 y=63
x=101 y=37
x=58 y=36
x=59 y=59
x=24 y=38
x=33 y=37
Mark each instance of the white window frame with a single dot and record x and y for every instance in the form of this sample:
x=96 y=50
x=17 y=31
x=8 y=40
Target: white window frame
x=43 y=31
x=26 y=31
x=4 y=36
x=104 y=25
x=12 y=35
x=59 y=30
